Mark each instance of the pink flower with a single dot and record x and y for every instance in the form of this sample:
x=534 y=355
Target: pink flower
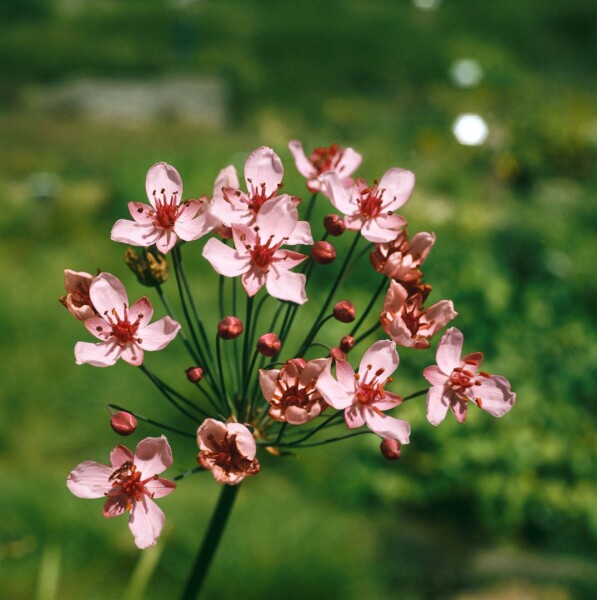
x=291 y=391
x=257 y=255
x=227 y=450
x=344 y=161
x=125 y=332
x=129 y=483
x=77 y=299
x=401 y=258
x=165 y=219
x=455 y=380
x=362 y=395
x=371 y=209
x=407 y=322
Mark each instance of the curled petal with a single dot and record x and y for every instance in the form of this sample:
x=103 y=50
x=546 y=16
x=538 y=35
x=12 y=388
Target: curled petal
x=245 y=442
x=268 y=379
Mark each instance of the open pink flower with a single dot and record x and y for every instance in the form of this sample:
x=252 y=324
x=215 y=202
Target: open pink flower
x=371 y=209
x=291 y=391
x=227 y=450
x=165 y=219
x=257 y=256
x=344 y=161
x=125 y=331
x=77 y=299
x=455 y=380
x=407 y=322
x=362 y=395
x=129 y=483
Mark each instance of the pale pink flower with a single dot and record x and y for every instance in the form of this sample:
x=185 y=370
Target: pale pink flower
x=407 y=322
x=227 y=450
x=362 y=395
x=291 y=391
x=344 y=161
x=371 y=209
x=263 y=178
x=125 y=331
x=455 y=380
x=164 y=220
x=129 y=483
x=77 y=299
x=257 y=255
x=401 y=258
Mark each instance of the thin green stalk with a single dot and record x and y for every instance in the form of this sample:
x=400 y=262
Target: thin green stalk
x=210 y=542
x=310 y=207
x=246 y=345
x=221 y=373
x=382 y=285
x=152 y=422
x=415 y=395
x=323 y=442
x=221 y=296
x=312 y=334
x=367 y=333
x=197 y=469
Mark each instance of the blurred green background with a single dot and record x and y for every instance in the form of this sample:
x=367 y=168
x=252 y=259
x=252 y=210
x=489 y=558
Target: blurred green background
x=94 y=92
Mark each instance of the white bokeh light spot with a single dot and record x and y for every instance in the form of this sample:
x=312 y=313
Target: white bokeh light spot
x=466 y=72
x=470 y=129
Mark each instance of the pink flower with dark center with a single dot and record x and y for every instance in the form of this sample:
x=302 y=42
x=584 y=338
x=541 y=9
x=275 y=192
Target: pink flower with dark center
x=455 y=381
x=371 y=209
x=129 y=483
x=125 y=331
x=407 y=322
x=401 y=258
x=165 y=219
x=257 y=255
x=227 y=450
x=363 y=396
x=77 y=299
x=344 y=161
x=291 y=391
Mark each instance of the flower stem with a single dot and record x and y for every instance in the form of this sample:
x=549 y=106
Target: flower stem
x=210 y=542
x=382 y=285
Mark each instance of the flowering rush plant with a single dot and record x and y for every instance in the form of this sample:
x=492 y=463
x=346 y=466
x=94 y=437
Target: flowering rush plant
x=255 y=385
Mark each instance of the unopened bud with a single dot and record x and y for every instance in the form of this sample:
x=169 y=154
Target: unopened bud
x=344 y=311
x=194 y=374
x=230 y=328
x=337 y=354
x=334 y=224
x=390 y=449
x=347 y=343
x=223 y=231
x=269 y=344
x=323 y=253
x=151 y=267
x=123 y=423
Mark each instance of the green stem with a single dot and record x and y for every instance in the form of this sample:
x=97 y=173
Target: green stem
x=382 y=284
x=210 y=542
x=152 y=422
x=415 y=395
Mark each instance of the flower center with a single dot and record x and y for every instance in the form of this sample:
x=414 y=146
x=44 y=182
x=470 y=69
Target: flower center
x=370 y=202
x=257 y=196
x=461 y=380
x=325 y=159
x=166 y=212
x=227 y=455
x=295 y=396
x=126 y=481
x=368 y=392
x=262 y=255
x=123 y=331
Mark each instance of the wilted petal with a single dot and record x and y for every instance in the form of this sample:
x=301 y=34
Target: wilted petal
x=89 y=480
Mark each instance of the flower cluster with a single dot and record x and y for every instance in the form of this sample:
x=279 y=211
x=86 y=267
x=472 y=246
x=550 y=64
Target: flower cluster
x=257 y=382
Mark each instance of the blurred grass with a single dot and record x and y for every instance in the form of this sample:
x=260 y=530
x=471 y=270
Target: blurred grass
x=515 y=221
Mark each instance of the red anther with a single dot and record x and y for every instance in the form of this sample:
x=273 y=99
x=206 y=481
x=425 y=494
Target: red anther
x=230 y=328
x=334 y=224
x=323 y=253
x=484 y=374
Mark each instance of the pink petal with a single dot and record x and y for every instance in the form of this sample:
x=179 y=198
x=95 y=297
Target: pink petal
x=333 y=392
x=195 y=228
x=458 y=406
x=345 y=374
x=227 y=178
x=90 y=480
x=303 y=164
x=230 y=213
x=115 y=506
x=313 y=369
x=387 y=427
x=495 y=395
x=225 y=260
x=245 y=442
x=420 y=246
x=119 y=455
x=301 y=234
x=252 y=281
x=98 y=328
x=435 y=376
x=398 y=185
x=353 y=416
x=437 y=404
x=210 y=433
x=263 y=166
x=349 y=162
x=143 y=310
x=141 y=213
x=332 y=187
x=146 y=522
x=161 y=179
x=104 y=354
x=108 y=293
x=277 y=217
x=158 y=488
x=152 y=456
x=287 y=259
x=133 y=354
x=285 y=285
x=129 y=232
x=381 y=355
x=391 y=401
x=166 y=240
x=268 y=379
x=438 y=315
x=449 y=350
x=295 y=415
x=374 y=230
x=159 y=334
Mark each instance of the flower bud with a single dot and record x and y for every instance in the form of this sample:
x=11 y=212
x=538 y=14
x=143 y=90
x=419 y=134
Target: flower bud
x=123 y=423
x=337 y=354
x=223 y=231
x=390 y=449
x=323 y=252
x=194 y=374
x=230 y=328
x=151 y=267
x=334 y=224
x=269 y=344
x=344 y=311
x=347 y=343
